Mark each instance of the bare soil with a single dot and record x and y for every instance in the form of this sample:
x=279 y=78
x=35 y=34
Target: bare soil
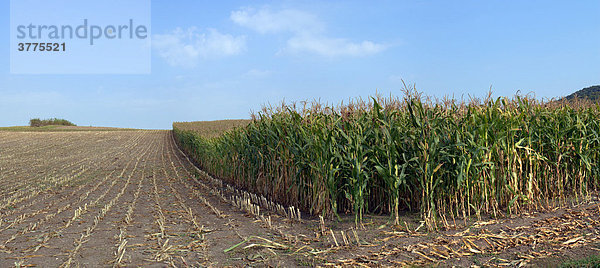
x=131 y=198
x=87 y=128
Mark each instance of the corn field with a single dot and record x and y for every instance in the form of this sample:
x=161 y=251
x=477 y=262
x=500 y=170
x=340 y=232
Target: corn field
x=387 y=155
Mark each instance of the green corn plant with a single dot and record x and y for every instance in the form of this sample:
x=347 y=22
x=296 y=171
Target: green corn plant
x=384 y=155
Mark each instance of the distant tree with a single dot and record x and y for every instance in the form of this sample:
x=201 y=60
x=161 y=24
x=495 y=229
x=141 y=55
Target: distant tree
x=590 y=93
x=36 y=122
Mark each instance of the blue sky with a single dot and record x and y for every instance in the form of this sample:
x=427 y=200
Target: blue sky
x=222 y=60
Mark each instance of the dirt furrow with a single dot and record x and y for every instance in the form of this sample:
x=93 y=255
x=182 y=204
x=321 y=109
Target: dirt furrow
x=108 y=159
x=60 y=224
x=88 y=248
x=62 y=161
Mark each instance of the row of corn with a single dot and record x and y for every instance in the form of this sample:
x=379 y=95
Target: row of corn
x=386 y=155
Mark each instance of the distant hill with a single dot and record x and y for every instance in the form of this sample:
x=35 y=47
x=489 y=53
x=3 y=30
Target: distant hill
x=592 y=93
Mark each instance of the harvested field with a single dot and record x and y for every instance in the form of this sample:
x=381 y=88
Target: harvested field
x=131 y=198
x=109 y=198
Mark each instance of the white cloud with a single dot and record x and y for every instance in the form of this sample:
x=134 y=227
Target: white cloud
x=332 y=47
x=267 y=21
x=307 y=32
x=186 y=47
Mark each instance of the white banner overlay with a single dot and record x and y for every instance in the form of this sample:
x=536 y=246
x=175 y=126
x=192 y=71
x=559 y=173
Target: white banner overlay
x=80 y=37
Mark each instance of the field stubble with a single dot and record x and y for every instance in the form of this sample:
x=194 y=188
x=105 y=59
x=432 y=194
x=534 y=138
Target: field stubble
x=132 y=198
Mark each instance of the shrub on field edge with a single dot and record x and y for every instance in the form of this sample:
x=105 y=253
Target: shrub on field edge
x=36 y=122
